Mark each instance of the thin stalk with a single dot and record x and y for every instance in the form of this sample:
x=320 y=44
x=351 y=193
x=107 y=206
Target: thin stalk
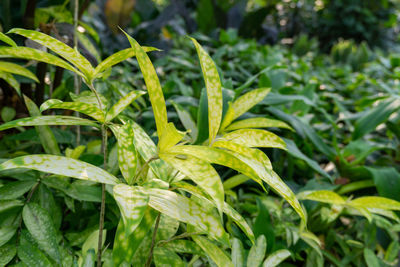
x=103 y=195
x=153 y=241
x=76 y=78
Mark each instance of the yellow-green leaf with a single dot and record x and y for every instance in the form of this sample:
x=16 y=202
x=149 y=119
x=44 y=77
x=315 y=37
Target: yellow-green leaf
x=17 y=69
x=254 y=138
x=213 y=251
x=375 y=202
x=257 y=252
x=257 y=123
x=60 y=166
x=11 y=81
x=186 y=120
x=201 y=172
x=171 y=136
x=7 y=39
x=324 y=196
x=84 y=108
x=132 y=202
x=214 y=90
x=122 y=104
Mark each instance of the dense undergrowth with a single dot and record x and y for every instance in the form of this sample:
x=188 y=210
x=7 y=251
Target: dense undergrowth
x=338 y=134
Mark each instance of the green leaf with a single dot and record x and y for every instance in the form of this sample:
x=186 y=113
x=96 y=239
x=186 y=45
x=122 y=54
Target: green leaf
x=375 y=203
x=34 y=54
x=186 y=120
x=47 y=120
x=7 y=39
x=234 y=181
x=7 y=253
x=40 y=226
x=17 y=69
x=84 y=108
x=15 y=189
x=184 y=209
x=30 y=254
x=275 y=258
x=202 y=173
x=213 y=251
x=61 y=166
x=257 y=252
x=11 y=81
x=165 y=257
x=117 y=58
x=153 y=86
x=122 y=104
x=46 y=136
x=387 y=182
x=244 y=103
x=370 y=258
x=214 y=90
x=257 y=123
x=324 y=196
x=183 y=246
x=9 y=204
x=237 y=253
x=132 y=203
x=89 y=259
x=255 y=138
x=6 y=233
x=127 y=154
x=91 y=243
x=60 y=48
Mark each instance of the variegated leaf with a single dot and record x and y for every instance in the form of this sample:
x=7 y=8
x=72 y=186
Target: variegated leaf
x=186 y=210
x=183 y=246
x=47 y=120
x=245 y=151
x=46 y=136
x=11 y=81
x=214 y=252
x=324 y=196
x=132 y=203
x=122 y=104
x=60 y=48
x=276 y=257
x=7 y=39
x=17 y=69
x=61 y=166
x=201 y=172
x=375 y=202
x=153 y=86
x=127 y=154
x=244 y=103
x=214 y=90
x=170 y=137
x=117 y=58
x=34 y=54
x=84 y=108
x=166 y=257
x=257 y=123
x=255 y=138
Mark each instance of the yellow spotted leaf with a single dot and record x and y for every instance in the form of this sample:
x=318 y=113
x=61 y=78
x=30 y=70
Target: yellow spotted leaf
x=122 y=104
x=375 y=203
x=257 y=123
x=324 y=196
x=255 y=138
x=17 y=69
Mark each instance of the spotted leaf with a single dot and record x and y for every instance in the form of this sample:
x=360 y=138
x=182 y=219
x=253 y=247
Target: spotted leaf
x=11 y=81
x=153 y=86
x=132 y=203
x=7 y=39
x=122 y=104
x=84 y=108
x=244 y=103
x=255 y=138
x=47 y=120
x=214 y=90
x=171 y=136
x=324 y=196
x=127 y=154
x=202 y=173
x=213 y=251
x=117 y=58
x=186 y=210
x=60 y=48
x=257 y=123
x=375 y=203
x=17 y=69
x=61 y=166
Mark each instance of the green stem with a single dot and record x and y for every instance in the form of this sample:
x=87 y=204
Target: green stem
x=153 y=241
x=76 y=78
x=103 y=195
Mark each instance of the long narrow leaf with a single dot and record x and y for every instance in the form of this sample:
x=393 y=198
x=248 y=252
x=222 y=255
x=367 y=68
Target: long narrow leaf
x=255 y=138
x=11 y=81
x=7 y=39
x=257 y=123
x=122 y=104
x=17 y=69
x=84 y=108
x=213 y=251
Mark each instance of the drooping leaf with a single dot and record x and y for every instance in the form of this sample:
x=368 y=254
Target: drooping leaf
x=375 y=202
x=238 y=253
x=132 y=203
x=214 y=90
x=61 y=166
x=257 y=123
x=324 y=196
x=255 y=138
x=11 y=81
x=47 y=120
x=257 y=252
x=60 y=48
x=84 y=108
x=30 y=254
x=201 y=172
x=7 y=253
x=122 y=104
x=166 y=257
x=127 y=154
x=7 y=39
x=17 y=69
x=153 y=86
x=213 y=251
x=14 y=190
x=244 y=103
x=184 y=209
x=41 y=227
x=275 y=258
x=46 y=136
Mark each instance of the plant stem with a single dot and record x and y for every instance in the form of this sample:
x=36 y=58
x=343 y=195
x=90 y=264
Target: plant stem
x=153 y=241
x=76 y=78
x=143 y=167
x=103 y=195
